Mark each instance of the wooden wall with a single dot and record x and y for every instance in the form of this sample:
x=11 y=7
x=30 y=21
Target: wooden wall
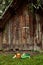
x=21 y=32
x=16 y=32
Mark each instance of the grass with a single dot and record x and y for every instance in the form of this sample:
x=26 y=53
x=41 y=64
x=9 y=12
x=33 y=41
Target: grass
x=8 y=60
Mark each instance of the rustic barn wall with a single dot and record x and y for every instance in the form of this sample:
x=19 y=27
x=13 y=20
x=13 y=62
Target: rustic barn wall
x=6 y=37
x=21 y=32
x=16 y=32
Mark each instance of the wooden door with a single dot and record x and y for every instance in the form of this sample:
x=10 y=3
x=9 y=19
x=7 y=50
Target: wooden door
x=21 y=31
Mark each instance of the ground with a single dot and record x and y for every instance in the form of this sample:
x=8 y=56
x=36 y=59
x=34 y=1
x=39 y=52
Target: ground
x=8 y=60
